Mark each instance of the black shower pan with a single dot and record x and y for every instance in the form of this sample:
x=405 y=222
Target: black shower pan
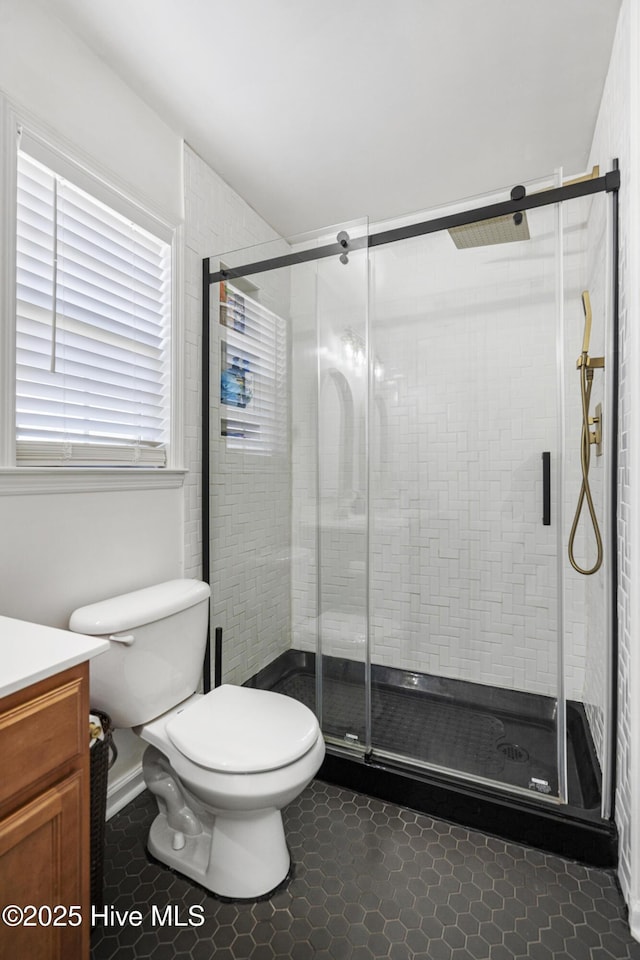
x=502 y=735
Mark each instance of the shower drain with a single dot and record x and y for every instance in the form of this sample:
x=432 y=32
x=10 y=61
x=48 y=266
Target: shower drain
x=512 y=751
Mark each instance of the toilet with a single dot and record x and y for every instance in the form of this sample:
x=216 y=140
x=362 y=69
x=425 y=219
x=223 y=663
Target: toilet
x=221 y=765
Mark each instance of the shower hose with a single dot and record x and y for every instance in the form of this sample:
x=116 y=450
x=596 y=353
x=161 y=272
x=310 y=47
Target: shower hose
x=586 y=384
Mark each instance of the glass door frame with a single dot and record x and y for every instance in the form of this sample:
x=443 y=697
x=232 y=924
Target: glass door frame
x=519 y=201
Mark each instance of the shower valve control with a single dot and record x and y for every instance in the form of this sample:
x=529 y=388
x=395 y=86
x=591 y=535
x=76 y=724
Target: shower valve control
x=595 y=436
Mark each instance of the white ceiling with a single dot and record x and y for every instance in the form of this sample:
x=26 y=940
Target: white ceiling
x=321 y=111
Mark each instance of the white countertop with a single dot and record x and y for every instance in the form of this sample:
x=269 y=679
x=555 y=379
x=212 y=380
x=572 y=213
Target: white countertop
x=30 y=652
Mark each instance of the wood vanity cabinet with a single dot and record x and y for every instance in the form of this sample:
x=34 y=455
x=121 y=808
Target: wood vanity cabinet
x=44 y=816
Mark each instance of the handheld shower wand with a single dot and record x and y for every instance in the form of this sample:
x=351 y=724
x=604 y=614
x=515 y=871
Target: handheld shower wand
x=586 y=366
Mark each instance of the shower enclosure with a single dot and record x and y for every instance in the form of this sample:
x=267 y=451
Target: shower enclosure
x=394 y=421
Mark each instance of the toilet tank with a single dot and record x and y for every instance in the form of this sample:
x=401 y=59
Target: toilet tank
x=157 y=642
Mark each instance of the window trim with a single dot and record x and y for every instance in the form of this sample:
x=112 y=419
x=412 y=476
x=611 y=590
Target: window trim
x=89 y=176
x=19 y=481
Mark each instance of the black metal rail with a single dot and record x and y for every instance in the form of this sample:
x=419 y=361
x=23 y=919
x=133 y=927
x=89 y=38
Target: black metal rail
x=610 y=182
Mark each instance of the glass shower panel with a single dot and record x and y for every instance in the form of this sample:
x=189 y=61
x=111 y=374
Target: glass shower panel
x=249 y=451
x=288 y=445
x=342 y=484
x=588 y=599
x=465 y=448
x=395 y=465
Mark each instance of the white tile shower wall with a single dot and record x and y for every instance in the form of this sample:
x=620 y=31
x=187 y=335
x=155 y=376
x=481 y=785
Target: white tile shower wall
x=616 y=135
x=463 y=572
x=592 y=590
x=463 y=407
x=250 y=494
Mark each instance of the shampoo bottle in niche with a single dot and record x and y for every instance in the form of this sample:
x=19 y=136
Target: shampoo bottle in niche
x=232 y=385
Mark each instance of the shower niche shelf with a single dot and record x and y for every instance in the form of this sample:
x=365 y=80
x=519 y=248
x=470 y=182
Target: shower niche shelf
x=249 y=369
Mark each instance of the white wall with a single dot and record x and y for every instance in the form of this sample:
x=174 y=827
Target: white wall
x=63 y=550
x=64 y=547
x=617 y=135
x=97 y=538
x=49 y=71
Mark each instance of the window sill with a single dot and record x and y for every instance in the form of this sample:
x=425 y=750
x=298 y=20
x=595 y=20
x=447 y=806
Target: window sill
x=19 y=481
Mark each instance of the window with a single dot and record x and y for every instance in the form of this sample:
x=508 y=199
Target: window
x=93 y=324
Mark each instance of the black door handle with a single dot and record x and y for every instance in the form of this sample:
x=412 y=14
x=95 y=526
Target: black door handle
x=546 y=488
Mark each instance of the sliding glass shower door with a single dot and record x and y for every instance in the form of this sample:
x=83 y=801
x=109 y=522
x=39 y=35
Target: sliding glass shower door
x=464 y=510
x=438 y=467
x=395 y=421
x=342 y=383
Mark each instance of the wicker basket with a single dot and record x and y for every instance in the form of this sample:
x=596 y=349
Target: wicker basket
x=99 y=767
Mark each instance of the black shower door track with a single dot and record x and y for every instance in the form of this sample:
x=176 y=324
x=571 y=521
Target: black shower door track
x=609 y=183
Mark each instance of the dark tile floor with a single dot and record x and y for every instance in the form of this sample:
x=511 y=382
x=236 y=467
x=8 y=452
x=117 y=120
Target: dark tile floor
x=371 y=880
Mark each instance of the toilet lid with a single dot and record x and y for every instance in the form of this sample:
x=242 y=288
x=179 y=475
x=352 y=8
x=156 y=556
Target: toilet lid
x=243 y=730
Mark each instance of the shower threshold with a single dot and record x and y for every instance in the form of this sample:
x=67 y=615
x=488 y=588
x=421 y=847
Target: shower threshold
x=475 y=731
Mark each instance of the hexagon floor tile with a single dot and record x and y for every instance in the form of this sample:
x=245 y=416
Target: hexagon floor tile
x=371 y=880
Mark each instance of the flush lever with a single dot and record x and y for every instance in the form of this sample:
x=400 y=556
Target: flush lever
x=127 y=639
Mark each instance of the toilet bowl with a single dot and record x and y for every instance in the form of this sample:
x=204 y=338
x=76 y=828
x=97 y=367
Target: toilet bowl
x=221 y=765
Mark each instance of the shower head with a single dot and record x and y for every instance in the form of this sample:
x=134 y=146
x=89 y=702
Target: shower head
x=483 y=233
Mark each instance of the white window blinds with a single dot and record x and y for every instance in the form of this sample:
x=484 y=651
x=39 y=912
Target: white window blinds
x=253 y=374
x=93 y=310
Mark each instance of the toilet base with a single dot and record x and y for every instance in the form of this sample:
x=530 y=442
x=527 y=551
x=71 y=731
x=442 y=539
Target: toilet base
x=241 y=857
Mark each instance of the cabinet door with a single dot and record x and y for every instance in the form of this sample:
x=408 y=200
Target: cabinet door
x=41 y=863
x=41 y=733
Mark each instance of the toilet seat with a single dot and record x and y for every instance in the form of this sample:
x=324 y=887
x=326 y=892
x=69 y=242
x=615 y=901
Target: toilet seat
x=243 y=730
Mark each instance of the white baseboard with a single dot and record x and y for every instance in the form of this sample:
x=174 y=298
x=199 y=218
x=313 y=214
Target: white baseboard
x=125 y=789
